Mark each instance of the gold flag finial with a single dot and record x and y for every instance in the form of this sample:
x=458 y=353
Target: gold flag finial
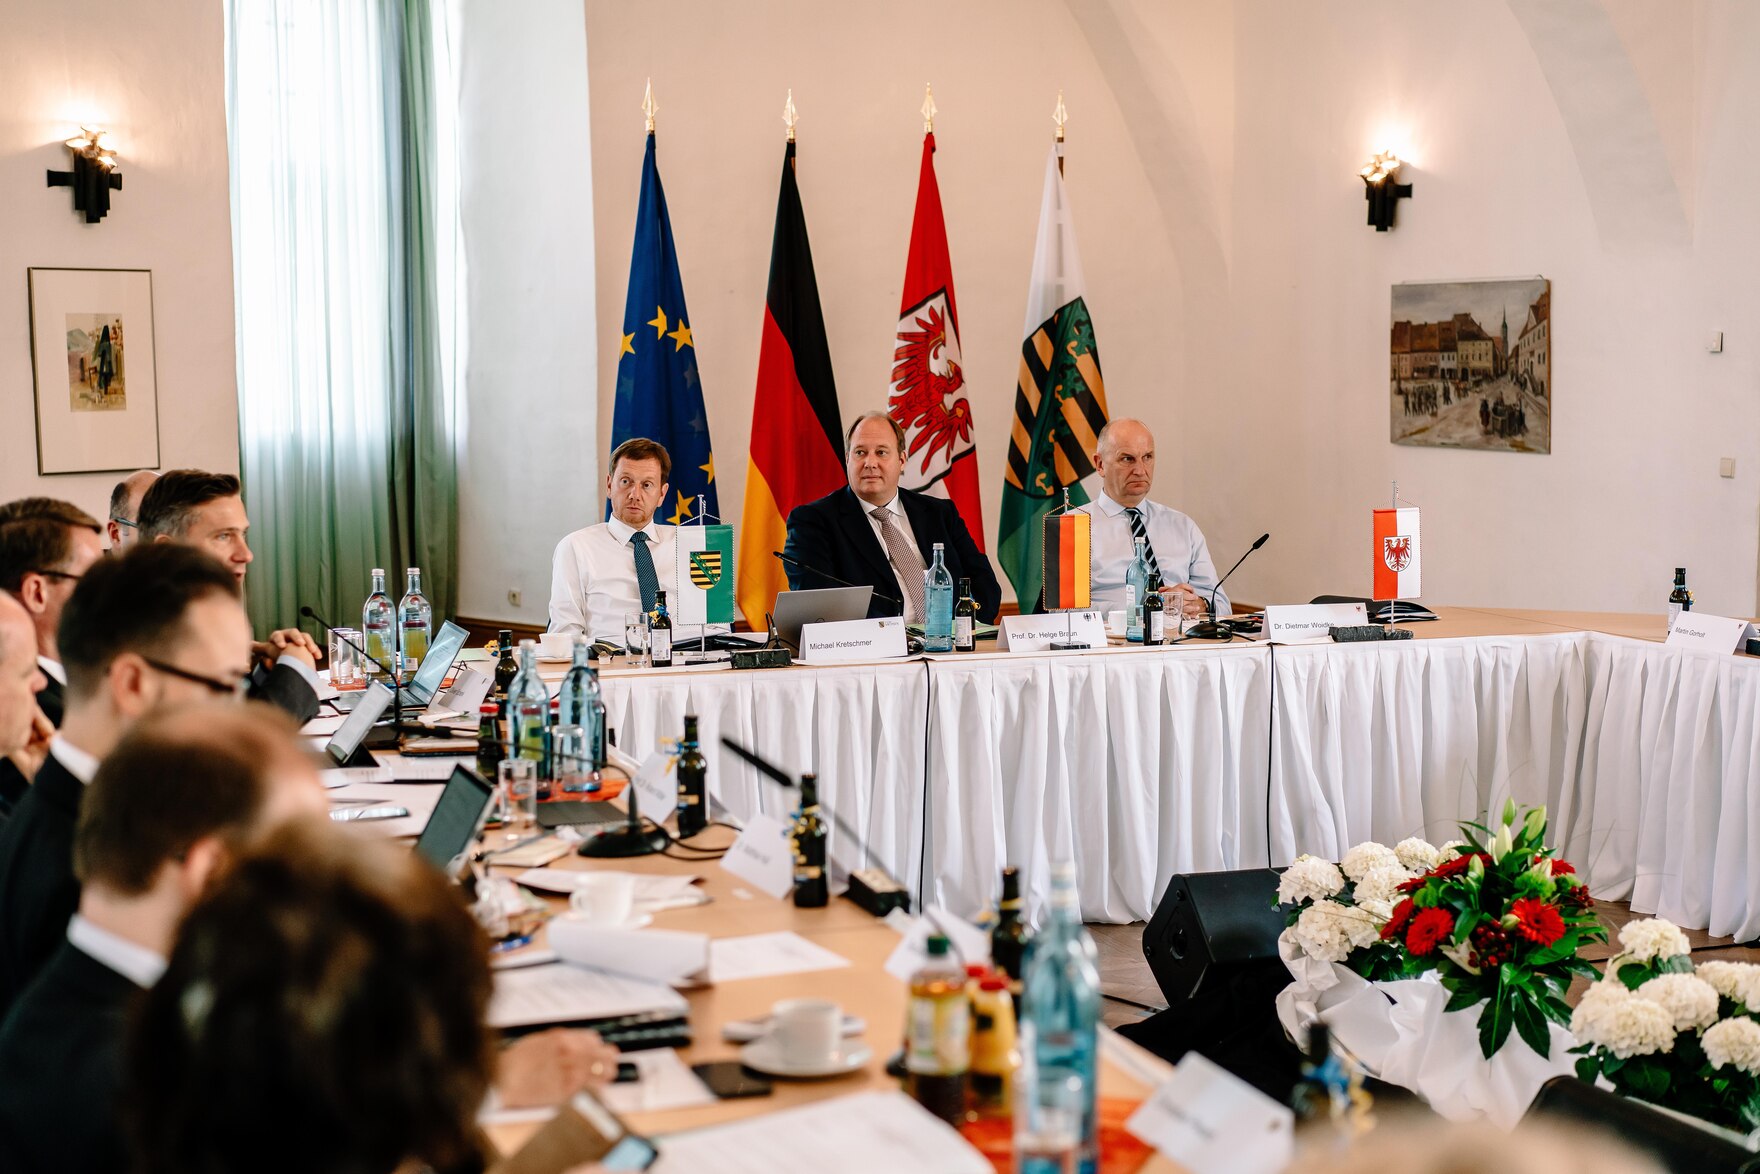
x=1060 y=116
x=789 y=117
x=928 y=109
x=649 y=108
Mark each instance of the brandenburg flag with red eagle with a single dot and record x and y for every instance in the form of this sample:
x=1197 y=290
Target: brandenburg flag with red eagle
x=928 y=396
x=1396 y=555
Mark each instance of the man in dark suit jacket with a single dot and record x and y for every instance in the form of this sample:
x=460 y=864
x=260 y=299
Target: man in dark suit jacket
x=158 y=627
x=175 y=801
x=24 y=734
x=205 y=510
x=872 y=533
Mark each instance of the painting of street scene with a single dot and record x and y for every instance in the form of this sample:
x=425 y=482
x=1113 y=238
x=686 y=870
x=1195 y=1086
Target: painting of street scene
x=94 y=363
x=1471 y=365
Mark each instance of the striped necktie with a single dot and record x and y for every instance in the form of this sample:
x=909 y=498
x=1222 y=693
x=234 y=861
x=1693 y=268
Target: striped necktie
x=905 y=558
x=1138 y=530
x=646 y=581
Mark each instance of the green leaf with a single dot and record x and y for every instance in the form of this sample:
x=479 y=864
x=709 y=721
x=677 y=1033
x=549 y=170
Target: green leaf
x=1679 y=964
x=1494 y=1025
x=1634 y=976
x=1556 y=952
x=1532 y=1027
x=1587 y=1069
x=1462 y=1000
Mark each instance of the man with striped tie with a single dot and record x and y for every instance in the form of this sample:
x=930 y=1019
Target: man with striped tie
x=1125 y=460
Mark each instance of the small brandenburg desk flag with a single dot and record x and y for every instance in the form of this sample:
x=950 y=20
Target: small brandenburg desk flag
x=1069 y=561
x=1059 y=403
x=1396 y=555
x=659 y=395
x=705 y=575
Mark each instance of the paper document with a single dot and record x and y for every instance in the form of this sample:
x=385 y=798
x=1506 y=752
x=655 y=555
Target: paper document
x=323 y=726
x=665 y=1083
x=412 y=770
x=654 y=955
x=417 y=799
x=1212 y=1122
x=652 y=892
x=561 y=993
x=970 y=944
x=766 y=955
x=342 y=776
x=865 y=1133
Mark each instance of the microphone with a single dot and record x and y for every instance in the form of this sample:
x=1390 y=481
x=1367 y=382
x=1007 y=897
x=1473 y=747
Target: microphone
x=397 y=727
x=1213 y=628
x=812 y=570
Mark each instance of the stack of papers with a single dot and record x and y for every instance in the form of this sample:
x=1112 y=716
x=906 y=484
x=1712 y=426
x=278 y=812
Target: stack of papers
x=560 y=993
x=653 y=893
x=865 y=1133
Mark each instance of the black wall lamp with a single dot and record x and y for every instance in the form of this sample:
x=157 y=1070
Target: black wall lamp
x=93 y=177
x=1381 y=187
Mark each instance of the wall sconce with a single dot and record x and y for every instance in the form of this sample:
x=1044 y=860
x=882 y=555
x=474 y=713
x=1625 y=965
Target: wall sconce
x=1381 y=187
x=93 y=177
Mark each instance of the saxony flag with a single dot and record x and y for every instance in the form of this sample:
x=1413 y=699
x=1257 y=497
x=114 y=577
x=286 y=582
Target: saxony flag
x=705 y=575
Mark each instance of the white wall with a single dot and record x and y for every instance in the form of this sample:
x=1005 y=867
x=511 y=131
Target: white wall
x=1241 y=304
x=153 y=75
x=528 y=468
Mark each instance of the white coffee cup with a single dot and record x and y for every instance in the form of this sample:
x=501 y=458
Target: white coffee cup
x=1115 y=623
x=556 y=645
x=808 y=1032
x=604 y=898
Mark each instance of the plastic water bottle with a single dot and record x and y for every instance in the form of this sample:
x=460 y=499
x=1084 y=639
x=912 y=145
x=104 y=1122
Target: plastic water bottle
x=938 y=604
x=378 y=628
x=1136 y=586
x=582 y=703
x=415 y=621
x=1059 y=1038
x=528 y=711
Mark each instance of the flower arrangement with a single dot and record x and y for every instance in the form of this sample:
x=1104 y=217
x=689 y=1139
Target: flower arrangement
x=1337 y=911
x=1662 y=1031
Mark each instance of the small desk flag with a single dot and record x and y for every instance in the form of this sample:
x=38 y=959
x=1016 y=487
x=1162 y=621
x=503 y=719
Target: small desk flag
x=1397 y=553
x=705 y=575
x=1069 y=562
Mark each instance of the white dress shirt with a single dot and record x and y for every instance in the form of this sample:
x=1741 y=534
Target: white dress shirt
x=593 y=578
x=133 y=961
x=903 y=522
x=1178 y=544
x=79 y=763
x=53 y=668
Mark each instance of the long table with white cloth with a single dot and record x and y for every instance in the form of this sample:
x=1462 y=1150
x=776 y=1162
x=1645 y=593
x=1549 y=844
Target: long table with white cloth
x=1142 y=763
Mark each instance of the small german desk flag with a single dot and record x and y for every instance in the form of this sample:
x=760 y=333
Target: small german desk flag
x=1068 y=572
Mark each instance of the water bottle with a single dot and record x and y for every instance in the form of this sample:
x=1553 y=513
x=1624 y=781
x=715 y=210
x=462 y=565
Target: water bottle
x=1059 y=1038
x=582 y=703
x=416 y=621
x=938 y=604
x=528 y=711
x=1136 y=586
x=377 y=628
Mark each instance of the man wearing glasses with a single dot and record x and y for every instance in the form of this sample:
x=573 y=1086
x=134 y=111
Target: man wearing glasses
x=125 y=509
x=157 y=627
x=204 y=510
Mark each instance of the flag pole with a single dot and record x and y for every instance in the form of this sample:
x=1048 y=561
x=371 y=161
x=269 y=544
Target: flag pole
x=1393 y=604
x=1060 y=116
x=649 y=107
x=928 y=109
x=789 y=117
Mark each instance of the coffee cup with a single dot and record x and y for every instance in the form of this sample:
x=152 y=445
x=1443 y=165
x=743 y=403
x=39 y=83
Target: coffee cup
x=604 y=898
x=556 y=645
x=808 y=1032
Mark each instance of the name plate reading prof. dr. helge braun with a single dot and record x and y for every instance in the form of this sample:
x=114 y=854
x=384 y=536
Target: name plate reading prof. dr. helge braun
x=1036 y=633
x=845 y=640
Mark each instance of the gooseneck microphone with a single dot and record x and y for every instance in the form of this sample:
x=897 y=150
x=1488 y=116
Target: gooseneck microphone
x=396 y=679
x=1213 y=628
x=812 y=570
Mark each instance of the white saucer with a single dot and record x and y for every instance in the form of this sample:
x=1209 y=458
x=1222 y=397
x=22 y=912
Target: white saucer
x=765 y=1056
x=636 y=921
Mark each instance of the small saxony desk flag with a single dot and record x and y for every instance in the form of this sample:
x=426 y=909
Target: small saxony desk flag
x=1397 y=569
x=705 y=575
x=1060 y=399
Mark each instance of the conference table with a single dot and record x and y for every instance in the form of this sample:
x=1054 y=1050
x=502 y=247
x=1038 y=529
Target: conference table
x=1143 y=763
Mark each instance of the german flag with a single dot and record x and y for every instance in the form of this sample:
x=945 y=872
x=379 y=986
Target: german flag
x=797 y=434
x=1069 y=561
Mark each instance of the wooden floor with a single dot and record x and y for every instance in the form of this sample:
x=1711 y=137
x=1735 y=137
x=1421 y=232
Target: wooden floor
x=1130 y=991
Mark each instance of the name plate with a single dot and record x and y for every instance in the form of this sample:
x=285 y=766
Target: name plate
x=845 y=640
x=657 y=785
x=1307 y=623
x=1708 y=633
x=1212 y=1122
x=1038 y=633
x=762 y=856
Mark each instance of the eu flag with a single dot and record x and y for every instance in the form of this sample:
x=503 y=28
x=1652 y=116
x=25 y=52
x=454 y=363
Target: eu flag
x=659 y=395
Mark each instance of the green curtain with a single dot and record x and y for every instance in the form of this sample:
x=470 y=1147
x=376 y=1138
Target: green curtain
x=346 y=438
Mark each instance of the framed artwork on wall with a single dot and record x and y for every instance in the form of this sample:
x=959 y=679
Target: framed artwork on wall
x=1471 y=365
x=93 y=362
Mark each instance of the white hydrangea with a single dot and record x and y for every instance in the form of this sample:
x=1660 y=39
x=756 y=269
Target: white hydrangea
x=1652 y=938
x=1309 y=879
x=1416 y=855
x=1451 y=848
x=1380 y=885
x=1734 y=1042
x=1330 y=932
x=1613 y=1018
x=1733 y=980
x=1359 y=861
x=1691 y=1000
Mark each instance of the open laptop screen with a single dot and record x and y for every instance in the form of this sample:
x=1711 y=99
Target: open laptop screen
x=457 y=818
x=441 y=653
x=353 y=732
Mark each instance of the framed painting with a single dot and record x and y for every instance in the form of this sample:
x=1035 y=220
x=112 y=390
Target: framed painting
x=1471 y=365
x=93 y=363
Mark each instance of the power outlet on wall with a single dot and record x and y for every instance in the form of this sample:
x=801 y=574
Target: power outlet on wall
x=513 y=596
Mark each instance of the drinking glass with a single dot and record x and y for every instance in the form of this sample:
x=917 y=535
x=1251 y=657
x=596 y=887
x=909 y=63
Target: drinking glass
x=573 y=768
x=1048 y=1123
x=519 y=789
x=345 y=662
x=635 y=638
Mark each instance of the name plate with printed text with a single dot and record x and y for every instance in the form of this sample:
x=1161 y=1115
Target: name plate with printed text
x=1038 y=633
x=845 y=640
x=763 y=856
x=1305 y=623
x=1709 y=633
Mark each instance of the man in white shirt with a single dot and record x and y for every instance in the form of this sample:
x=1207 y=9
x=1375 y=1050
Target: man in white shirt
x=1125 y=460
x=604 y=571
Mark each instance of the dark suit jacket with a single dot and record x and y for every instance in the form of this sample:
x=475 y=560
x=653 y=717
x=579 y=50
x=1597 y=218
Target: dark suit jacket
x=52 y=701
x=61 y=1051
x=285 y=689
x=38 y=892
x=834 y=534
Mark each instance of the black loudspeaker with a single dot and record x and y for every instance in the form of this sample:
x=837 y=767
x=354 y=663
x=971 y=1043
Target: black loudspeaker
x=1678 y=1147
x=1211 y=927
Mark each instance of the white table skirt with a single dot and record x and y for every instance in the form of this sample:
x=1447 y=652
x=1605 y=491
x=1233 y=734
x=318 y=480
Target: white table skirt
x=1143 y=763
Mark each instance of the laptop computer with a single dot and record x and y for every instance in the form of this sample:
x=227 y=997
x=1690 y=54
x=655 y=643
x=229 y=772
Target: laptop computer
x=795 y=609
x=344 y=748
x=457 y=820
x=444 y=649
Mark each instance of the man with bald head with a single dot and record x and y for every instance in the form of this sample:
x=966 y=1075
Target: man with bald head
x=125 y=509
x=24 y=731
x=1125 y=460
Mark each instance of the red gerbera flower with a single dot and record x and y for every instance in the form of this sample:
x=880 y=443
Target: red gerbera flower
x=1537 y=921
x=1458 y=864
x=1563 y=867
x=1396 y=923
x=1429 y=927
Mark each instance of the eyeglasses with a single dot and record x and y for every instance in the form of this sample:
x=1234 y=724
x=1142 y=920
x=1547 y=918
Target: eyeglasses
x=54 y=574
x=236 y=688
x=126 y=524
